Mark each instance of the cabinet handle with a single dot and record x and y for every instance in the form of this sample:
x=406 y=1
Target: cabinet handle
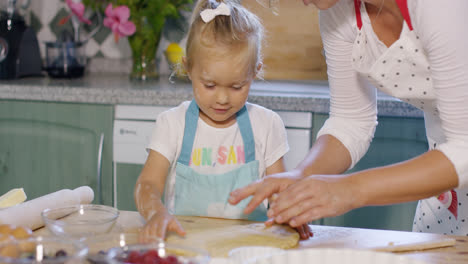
x=99 y=168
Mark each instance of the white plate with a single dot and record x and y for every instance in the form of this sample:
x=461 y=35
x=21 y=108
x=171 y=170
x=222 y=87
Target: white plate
x=221 y=261
x=336 y=256
x=248 y=255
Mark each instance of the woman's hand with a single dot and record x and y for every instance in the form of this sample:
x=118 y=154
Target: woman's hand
x=263 y=189
x=159 y=224
x=304 y=230
x=312 y=198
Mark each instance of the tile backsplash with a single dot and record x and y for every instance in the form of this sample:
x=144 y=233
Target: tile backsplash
x=44 y=16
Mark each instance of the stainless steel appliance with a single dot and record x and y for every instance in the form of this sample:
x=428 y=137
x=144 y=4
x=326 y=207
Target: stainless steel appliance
x=19 y=48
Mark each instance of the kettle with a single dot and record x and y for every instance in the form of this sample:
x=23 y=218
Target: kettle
x=66 y=57
x=19 y=48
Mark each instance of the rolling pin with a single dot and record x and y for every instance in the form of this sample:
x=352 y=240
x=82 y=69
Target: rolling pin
x=28 y=214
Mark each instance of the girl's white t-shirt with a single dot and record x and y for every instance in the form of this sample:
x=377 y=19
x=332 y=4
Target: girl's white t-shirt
x=218 y=150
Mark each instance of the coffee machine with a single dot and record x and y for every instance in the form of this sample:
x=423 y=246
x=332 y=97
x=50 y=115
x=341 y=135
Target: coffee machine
x=19 y=48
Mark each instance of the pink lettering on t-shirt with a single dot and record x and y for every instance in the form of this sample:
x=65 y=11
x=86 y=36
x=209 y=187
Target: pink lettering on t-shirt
x=222 y=155
x=240 y=154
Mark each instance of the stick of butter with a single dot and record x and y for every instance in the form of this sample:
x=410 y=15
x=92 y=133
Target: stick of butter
x=12 y=197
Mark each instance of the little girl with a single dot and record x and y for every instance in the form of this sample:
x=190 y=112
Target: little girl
x=202 y=150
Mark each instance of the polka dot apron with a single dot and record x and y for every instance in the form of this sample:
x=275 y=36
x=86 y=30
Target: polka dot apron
x=403 y=71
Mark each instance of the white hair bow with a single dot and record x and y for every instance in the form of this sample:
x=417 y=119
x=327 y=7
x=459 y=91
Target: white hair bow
x=208 y=14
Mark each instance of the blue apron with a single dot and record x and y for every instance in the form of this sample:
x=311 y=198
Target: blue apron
x=207 y=194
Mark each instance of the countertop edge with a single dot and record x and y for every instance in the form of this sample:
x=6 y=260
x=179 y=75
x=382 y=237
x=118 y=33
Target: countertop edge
x=276 y=96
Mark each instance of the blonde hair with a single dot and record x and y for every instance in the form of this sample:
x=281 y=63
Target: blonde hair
x=239 y=29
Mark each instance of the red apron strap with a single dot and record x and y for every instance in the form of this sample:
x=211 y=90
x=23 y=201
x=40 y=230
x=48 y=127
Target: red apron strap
x=357 y=9
x=403 y=5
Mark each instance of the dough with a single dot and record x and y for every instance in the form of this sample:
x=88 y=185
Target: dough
x=218 y=241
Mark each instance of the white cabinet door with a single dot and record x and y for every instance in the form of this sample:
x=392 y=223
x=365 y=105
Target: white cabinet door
x=298 y=128
x=299 y=144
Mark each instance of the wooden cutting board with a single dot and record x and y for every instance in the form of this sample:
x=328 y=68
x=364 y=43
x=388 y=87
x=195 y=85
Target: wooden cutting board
x=324 y=236
x=293 y=46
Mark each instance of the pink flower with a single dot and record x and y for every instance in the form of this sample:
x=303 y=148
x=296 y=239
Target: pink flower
x=78 y=10
x=117 y=20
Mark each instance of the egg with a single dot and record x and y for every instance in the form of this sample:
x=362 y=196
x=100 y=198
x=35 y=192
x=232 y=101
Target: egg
x=10 y=250
x=6 y=229
x=21 y=232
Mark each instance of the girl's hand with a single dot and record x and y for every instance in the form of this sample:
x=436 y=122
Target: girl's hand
x=159 y=224
x=312 y=198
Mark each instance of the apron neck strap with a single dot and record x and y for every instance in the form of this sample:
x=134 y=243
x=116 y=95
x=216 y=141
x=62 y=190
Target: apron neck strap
x=357 y=6
x=402 y=5
x=245 y=127
x=191 y=121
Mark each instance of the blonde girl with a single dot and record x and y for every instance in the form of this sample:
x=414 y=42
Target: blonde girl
x=203 y=149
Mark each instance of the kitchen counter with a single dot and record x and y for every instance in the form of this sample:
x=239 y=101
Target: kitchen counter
x=309 y=96
x=342 y=237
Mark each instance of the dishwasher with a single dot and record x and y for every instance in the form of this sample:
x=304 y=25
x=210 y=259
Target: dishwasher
x=132 y=131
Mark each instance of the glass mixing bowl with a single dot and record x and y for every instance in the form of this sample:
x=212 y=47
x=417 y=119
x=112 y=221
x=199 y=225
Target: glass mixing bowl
x=80 y=221
x=47 y=250
x=160 y=252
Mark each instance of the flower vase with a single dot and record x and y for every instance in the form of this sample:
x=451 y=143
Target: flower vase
x=144 y=44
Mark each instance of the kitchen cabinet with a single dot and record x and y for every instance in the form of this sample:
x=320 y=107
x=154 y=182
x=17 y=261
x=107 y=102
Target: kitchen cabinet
x=45 y=147
x=133 y=126
x=396 y=139
x=299 y=132
x=127 y=175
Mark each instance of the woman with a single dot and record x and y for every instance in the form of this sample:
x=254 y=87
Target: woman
x=416 y=51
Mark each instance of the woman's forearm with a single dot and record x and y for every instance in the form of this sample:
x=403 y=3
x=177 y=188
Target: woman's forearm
x=424 y=176
x=327 y=156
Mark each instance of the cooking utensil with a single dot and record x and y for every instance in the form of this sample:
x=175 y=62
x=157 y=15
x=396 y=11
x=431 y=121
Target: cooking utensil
x=66 y=57
x=19 y=48
x=28 y=214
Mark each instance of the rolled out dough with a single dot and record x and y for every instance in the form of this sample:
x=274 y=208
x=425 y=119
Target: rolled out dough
x=218 y=241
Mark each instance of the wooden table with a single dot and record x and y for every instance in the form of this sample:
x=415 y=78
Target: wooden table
x=341 y=237
x=337 y=237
